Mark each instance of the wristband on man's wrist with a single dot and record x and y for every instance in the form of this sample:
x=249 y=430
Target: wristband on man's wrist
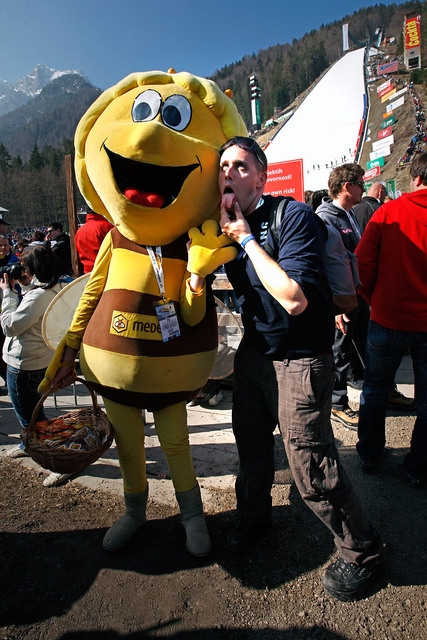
x=246 y=240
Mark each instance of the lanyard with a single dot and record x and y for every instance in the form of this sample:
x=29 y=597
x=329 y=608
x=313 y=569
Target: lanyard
x=156 y=261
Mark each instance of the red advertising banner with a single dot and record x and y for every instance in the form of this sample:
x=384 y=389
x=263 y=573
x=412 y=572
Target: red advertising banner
x=412 y=32
x=388 y=67
x=286 y=179
x=384 y=91
x=385 y=132
x=375 y=171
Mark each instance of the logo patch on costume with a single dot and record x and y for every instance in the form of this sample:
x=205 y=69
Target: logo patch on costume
x=135 y=325
x=346 y=230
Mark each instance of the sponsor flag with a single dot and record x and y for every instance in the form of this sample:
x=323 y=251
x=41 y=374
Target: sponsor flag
x=345 y=46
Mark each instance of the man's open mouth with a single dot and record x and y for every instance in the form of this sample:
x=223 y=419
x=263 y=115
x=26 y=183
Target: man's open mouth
x=148 y=185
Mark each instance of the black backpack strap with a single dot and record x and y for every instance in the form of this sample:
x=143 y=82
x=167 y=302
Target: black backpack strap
x=274 y=222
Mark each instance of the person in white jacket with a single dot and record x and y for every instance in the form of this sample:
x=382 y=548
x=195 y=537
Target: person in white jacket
x=24 y=350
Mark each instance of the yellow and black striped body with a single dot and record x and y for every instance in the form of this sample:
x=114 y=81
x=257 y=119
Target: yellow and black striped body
x=123 y=355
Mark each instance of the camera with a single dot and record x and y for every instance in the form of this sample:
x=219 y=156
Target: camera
x=14 y=270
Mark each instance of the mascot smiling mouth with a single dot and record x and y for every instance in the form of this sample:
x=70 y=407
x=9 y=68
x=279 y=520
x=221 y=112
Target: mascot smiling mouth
x=148 y=185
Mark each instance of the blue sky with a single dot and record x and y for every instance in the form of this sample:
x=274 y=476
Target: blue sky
x=108 y=39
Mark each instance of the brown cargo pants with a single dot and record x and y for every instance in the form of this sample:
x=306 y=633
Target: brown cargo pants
x=296 y=395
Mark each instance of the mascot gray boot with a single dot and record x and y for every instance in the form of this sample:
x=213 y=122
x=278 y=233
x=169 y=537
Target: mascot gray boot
x=193 y=521
x=122 y=530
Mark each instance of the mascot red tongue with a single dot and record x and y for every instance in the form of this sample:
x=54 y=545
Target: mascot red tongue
x=164 y=131
x=144 y=199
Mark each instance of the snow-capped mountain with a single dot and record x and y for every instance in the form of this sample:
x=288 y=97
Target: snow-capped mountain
x=14 y=96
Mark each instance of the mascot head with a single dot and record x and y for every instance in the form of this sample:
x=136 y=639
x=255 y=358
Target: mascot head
x=147 y=153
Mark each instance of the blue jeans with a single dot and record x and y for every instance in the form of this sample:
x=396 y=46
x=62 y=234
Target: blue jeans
x=385 y=349
x=22 y=386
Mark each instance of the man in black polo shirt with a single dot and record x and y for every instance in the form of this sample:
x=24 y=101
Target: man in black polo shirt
x=283 y=370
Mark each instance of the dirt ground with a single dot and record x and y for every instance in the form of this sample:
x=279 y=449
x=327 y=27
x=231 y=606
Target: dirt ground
x=58 y=584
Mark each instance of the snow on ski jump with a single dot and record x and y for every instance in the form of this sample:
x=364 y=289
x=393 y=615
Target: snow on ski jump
x=325 y=129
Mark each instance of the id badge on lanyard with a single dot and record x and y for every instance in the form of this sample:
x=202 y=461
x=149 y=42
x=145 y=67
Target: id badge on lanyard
x=164 y=308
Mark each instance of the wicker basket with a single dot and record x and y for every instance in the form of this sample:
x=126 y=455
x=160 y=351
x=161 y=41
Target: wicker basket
x=68 y=460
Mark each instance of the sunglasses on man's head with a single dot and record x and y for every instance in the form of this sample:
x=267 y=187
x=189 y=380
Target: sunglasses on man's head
x=247 y=144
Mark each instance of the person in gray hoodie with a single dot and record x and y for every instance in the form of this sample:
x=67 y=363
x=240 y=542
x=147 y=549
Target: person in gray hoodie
x=346 y=188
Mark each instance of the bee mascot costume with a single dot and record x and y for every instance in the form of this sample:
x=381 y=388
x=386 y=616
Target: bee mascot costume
x=147 y=159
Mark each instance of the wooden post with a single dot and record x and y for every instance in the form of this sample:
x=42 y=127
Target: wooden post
x=72 y=214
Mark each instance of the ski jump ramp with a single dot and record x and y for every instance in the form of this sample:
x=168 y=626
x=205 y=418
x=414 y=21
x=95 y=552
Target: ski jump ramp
x=324 y=130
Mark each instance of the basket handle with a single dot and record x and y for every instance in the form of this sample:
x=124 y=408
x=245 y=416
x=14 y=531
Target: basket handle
x=31 y=427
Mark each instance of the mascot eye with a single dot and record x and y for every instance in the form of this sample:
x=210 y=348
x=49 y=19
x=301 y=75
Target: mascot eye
x=146 y=106
x=176 y=112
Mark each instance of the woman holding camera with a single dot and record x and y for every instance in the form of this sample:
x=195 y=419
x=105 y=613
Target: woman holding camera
x=7 y=259
x=24 y=350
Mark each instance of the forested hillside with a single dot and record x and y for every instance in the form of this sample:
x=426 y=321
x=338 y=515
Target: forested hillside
x=48 y=118
x=284 y=71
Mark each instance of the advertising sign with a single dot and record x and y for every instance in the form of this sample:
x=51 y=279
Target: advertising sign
x=286 y=179
x=391 y=188
x=388 y=67
x=375 y=171
x=383 y=86
x=384 y=151
x=385 y=132
x=379 y=162
x=388 y=95
x=379 y=144
x=345 y=46
x=390 y=120
x=397 y=103
x=412 y=32
x=384 y=91
x=401 y=92
x=388 y=113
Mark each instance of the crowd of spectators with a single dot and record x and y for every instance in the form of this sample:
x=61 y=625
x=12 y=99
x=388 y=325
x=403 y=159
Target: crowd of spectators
x=420 y=137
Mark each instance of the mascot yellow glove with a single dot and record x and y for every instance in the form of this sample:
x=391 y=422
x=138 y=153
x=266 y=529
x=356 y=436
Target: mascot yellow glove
x=208 y=250
x=54 y=365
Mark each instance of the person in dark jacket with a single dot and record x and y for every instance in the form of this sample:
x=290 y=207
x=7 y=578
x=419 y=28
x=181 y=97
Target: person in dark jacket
x=60 y=244
x=369 y=204
x=283 y=371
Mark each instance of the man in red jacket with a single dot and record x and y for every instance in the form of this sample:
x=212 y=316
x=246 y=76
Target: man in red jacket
x=392 y=257
x=89 y=237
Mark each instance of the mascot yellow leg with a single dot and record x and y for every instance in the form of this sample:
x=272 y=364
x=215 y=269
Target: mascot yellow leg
x=129 y=435
x=172 y=431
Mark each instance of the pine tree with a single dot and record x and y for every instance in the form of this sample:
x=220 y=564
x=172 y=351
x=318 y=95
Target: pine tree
x=5 y=158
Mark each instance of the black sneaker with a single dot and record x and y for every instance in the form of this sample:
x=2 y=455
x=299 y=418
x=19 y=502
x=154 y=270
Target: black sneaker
x=396 y=400
x=247 y=535
x=347 y=581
